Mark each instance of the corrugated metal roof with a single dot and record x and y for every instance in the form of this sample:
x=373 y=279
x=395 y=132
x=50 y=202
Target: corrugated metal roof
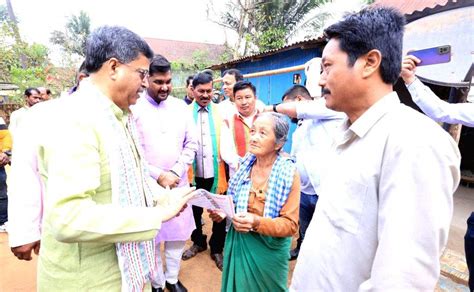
x=412 y=9
x=408 y=7
x=314 y=42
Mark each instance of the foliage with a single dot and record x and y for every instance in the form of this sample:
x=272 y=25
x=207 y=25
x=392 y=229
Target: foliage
x=22 y=64
x=263 y=25
x=28 y=65
x=73 y=39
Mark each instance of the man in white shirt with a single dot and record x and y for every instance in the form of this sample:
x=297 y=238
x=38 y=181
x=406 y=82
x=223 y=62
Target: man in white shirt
x=32 y=97
x=208 y=171
x=312 y=141
x=385 y=204
x=441 y=111
x=429 y=103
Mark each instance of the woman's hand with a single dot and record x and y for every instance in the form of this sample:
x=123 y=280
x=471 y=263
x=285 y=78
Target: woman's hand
x=216 y=215
x=246 y=222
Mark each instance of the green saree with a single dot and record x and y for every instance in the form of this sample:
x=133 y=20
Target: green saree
x=255 y=262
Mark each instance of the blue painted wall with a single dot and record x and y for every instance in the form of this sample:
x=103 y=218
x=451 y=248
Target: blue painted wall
x=271 y=88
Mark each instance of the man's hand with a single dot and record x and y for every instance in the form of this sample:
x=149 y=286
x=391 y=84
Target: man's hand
x=4 y=159
x=172 y=202
x=23 y=252
x=409 y=64
x=216 y=215
x=245 y=222
x=168 y=179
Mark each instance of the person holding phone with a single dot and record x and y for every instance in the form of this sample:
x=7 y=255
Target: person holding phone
x=429 y=103
x=441 y=111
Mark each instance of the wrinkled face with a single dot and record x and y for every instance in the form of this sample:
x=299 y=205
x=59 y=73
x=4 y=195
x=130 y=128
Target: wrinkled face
x=189 y=91
x=262 y=137
x=338 y=79
x=245 y=101
x=130 y=80
x=203 y=94
x=34 y=98
x=159 y=86
x=228 y=87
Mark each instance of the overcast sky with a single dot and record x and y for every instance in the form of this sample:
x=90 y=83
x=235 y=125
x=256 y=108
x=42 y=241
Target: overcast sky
x=184 y=20
x=167 y=19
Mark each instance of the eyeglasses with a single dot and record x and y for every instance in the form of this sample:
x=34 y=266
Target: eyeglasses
x=143 y=72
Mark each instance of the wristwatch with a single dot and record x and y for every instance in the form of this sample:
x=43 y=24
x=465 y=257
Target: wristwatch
x=275 y=107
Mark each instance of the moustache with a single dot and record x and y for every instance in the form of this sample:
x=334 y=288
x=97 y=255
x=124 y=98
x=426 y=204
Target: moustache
x=325 y=91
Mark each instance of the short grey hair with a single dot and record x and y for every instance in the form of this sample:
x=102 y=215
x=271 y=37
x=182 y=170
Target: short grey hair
x=118 y=42
x=280 y=126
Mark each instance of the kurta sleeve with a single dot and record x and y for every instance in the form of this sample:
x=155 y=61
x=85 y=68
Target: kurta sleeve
x=190 y=146
x=439 y=110
x=25 y=189
x=78 y=200
x=287 y=223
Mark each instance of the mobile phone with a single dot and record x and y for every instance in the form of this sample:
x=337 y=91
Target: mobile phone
x=435 y=55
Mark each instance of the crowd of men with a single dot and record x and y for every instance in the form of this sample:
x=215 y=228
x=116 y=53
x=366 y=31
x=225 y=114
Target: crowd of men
x=99 y=176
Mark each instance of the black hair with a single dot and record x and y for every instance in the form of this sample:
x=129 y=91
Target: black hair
x=159 y=64
x=201 y=78
x=29 y=91
x=108 y=42
x=189 y=80
x=296 y=90
x=236 y=73
x=208 y=71
x=379 y=28
x=243 y=85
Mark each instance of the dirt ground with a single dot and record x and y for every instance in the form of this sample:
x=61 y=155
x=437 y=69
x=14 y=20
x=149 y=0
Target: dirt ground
x=200 y=273
x=197 y=274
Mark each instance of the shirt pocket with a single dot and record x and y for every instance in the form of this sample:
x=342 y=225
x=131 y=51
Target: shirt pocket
x=346 y=205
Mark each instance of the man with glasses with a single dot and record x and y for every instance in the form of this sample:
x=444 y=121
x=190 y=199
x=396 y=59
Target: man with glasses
x=102 y=210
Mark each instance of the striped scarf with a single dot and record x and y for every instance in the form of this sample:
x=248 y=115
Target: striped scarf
x=129 y=189
x=279 y=185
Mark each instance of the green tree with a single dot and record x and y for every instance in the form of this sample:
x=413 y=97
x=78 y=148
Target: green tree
x=21 y=63
x=262 y=24
x=73 y=38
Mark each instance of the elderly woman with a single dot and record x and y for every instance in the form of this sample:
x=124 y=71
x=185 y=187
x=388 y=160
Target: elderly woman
x=265 y=191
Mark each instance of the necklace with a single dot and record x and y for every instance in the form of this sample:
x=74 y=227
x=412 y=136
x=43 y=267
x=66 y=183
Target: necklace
x=258 y=189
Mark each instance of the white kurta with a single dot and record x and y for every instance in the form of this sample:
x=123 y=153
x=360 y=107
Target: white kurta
x=385 y=205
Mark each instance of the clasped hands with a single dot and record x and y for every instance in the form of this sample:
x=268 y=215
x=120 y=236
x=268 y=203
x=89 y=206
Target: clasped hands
x=242 y=222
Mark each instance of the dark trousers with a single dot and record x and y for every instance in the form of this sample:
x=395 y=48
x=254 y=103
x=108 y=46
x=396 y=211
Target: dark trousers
x=307 y=206
x=469 y=249
x=218 y=229
x=3 y=196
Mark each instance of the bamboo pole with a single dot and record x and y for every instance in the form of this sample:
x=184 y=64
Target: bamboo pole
x=270 y=72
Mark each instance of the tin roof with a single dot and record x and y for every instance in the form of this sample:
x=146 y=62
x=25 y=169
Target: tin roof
x=306 y=44
x=182 y=50
x=412 y=9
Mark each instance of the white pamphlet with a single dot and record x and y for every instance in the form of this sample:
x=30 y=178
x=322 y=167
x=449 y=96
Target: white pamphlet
x=210 y=201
